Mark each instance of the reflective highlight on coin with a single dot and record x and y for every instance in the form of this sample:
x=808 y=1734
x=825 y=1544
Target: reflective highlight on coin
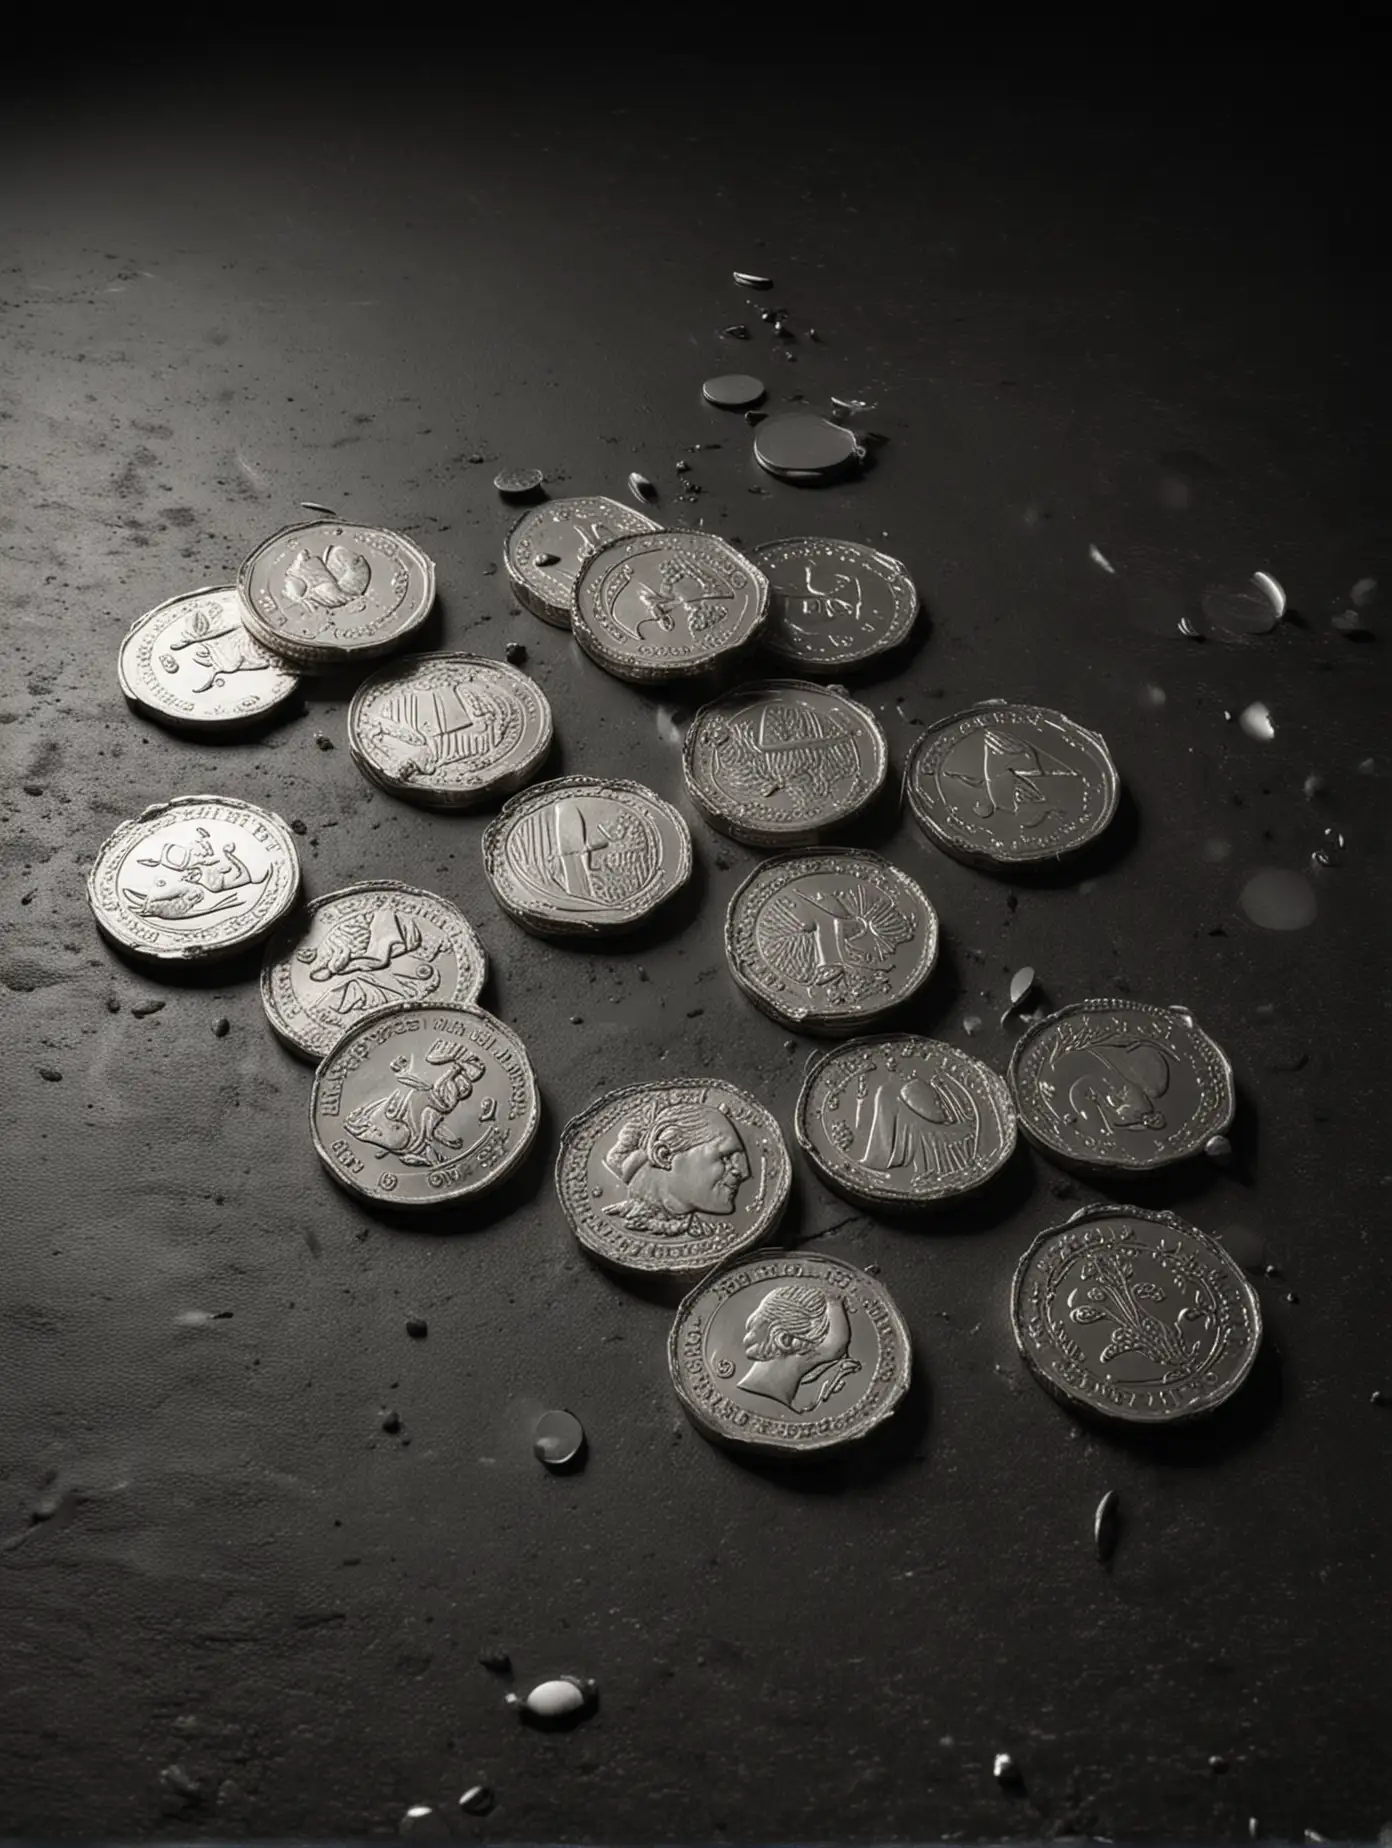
x=191 y=663
x=326 y=593
x=546 y=548
x=664 y=605
x=834 y=604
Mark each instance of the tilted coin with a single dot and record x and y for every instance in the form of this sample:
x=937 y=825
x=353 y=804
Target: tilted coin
x=665 y=605
x=328 y=593
x=423 y=1105
x=449 y=731
x=830 y=941
x=674 y=1175
x=512 y=483
x=733 y=391
x=904 y=1121
x=832 y=603
x=789 y=1353
x=352 y=953
x=1121 y=1084
x=781 y=761
x=801 y=447
x=582 y=854
x=191 y=663
x=194 y=878
x=1134 y=1315
x=1007 y=784
x=546 y=548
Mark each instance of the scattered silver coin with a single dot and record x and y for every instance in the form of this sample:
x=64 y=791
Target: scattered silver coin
x=327 y=594
x=513 y=483
x=748 y=281
x=1007 y=784
x=806 y=449
x=580 y=855
x=558 y=1438
x=1134 y=1315
x=194 y=878
x=733 y=391
x=423 y=1105
x=834 y=604
x=449 y=731
x=352 y=953
x=788 y=1353
x=1121 y=1084
x=664 y=605
x=192 y=664
x=546 y=548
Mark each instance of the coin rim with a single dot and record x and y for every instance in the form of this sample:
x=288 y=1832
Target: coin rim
x=636 y=675
x=558 y=615
x=183 y=722
x=832 y=471
x=899 y=634
x=308 y=654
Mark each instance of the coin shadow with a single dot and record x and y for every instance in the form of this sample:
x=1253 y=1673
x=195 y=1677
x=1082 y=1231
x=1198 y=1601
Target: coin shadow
x=469 y=1216
x=896 y=1444
x=1213 y=1438
x=669 y=919
x=1166 y=1189
x=1010 y=1189
x=242 y=965
x=1090 y=862
x=253 y=732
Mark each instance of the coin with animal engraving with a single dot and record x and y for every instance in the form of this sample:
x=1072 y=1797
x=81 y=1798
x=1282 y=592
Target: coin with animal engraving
x=326 y=594
x=1007 y=784
x=1121 y=1084
x=192 y=664
x=666 y=605
x=830 y=941
x=782 y=761
x=1134 y=1316
x=676 y=1175
x=904 y=1121
x=789 y=1353
x=350 y=954
x=834 y=604
x=547 y=547
x=449 y=731
x=420 y=1106
x=193 y=879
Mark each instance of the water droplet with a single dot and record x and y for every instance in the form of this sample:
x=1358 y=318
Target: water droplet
x=1349 y=622
x=973 y=1023
x=1215 y=851
x=1312 y=786
x=1257 y=722
x=852 y=406
x=733 y=391
x=748 y=281
x=1021 y=984
x=1364 y=592
x=565 y=1697
x=1153 y=698
x=1105 y=1527
x=640 y=487
x=477 y=1800
x=1005 y=1770
x=1218 y=1150
x=1098 y=559
x=558 y=1438
x=1277 y=899
x=1330 y=851
x=545 y=559
x=1367 y=766
x=1235 y=612
x=513 y=482
x=421 y=1823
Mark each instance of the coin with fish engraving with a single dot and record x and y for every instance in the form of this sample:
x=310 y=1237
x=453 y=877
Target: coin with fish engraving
x=449 y=731
x=582 y=854
x=1135 y=1316
x=675 y=1175
x=834 y=604
x=326 y=593
x=1121 y=1084
x=546 y=548
x=779 y=762
x=830 y=941
x=192 y=664
x=666 y=605
x=195 y=878
x=423 y=1105
x=1006 y=784
x=352 y=953
x=904 y=1121
x=789 y=1353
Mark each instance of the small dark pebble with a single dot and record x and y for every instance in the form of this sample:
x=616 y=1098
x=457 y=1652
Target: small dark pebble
x=113 y=1006
x=325 y=744
x=547 y=558
x=1291 y=1297
x=391 y=1421
x=1378 y=1397
x=176 y=1779
x=1273 y=1270
x=142 y=1008
x=1217 y=1763
x=496 y=1661
x=515 y=653
x=682 y=467
x=476 y=458
x=222 y=1026
x=477 y=1800
x=755 y=417
x=298 y=827
x=417 y=1327
x=50 y=1074
x=577 y=1020
x=33 y=789
x=694 y=1013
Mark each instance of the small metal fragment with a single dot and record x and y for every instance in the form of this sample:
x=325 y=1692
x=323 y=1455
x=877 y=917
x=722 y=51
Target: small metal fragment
x=1256 y=721
x=640 y=487
x=1099 y=559
x=1105 y=1525
x=477 y=1800
x=851 y=406
x=496 y=1661
x=513 y=482
x=558 y=1439
x=746 y=281
x=1218 y=1150
x=1021 y=985
x=733 y=391
x=737 y=331
x=1006 y=1771
x=319 y=507
x=1217 y=1763
x=565 y=1697
x=421 y=1823
x=222 y=1026
x=972 y=1023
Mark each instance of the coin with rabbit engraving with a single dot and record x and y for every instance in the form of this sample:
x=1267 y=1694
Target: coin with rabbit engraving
x=192 y=664
x=326 y=594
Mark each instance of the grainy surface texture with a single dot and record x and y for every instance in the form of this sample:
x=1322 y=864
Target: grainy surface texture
x=253 y=1535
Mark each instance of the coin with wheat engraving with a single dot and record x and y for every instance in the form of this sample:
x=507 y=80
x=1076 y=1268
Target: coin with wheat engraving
x=780 y=762
x=789 y=1353
x=834 y=604
x=326 y=594
x=1134 y=1316
x=547 y=547
x=1121 y=1084
x=192 y=664
x=193 y=879
x=666 y=605
x=352 y=953
x=423 y=1105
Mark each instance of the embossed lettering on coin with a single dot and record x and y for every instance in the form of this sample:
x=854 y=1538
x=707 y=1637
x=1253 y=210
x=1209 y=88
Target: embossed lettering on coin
x=832 y=603
x=191 y=662
x=547 y=547
x=661 y=605
x=328 y=592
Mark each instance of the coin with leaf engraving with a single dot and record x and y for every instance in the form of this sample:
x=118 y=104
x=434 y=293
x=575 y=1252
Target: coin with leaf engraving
x=547 y=547
x=192 y=664
x=326 y=594
x=665 y=605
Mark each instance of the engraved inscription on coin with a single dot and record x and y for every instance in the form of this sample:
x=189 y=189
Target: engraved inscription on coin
x=1134 y=1315
x=830 y=941
x=449 y=731
x=327 y=593
x=1120 y=1084
x=1006 y=784
x=672 y=1176
x=834 y=604
x=583 y=854
x=548 y=545
x=789 y=1353
x=191 y=662
x=904 y=1121
x=781 y=761
x=421 y=1105
x=200 y=876
x=352 y=953
x=662 y=605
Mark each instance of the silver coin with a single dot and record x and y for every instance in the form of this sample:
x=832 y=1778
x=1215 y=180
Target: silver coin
x=564 y=533
x=449 y=731
x=904 y=1121
x=191 y=663
x=830 y=941
x=675 y=1175
x=1134 y=1315
x=1007 y=784
x=194 y=878
x=801 y=447
x=420 y=1106
x=355 y=952
x=580 y=855
x=733 y=391
x=328 y=593
x=1120 y=1084
x=512 y=483
x=665 y=605
x=789 y=1353
x=781 y=761
x=832 y=603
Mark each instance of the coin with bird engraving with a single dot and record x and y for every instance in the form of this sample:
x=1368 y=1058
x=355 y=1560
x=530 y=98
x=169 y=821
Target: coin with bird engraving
x=327 y=594
x=666 y=605
x=834 y=604
x=546 y=548
x=192 y=664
